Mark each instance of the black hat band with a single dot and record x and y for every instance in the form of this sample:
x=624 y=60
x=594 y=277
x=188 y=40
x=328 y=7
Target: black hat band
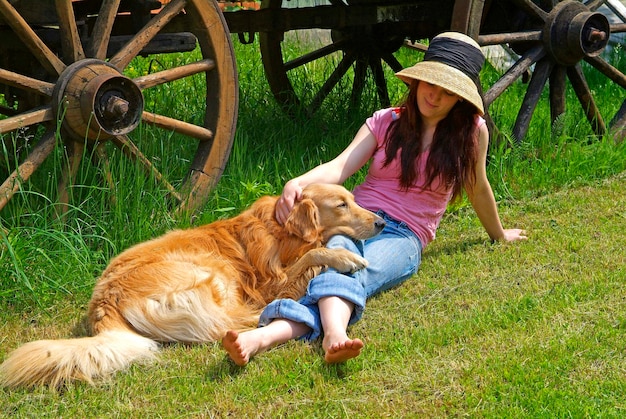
x=457 y=54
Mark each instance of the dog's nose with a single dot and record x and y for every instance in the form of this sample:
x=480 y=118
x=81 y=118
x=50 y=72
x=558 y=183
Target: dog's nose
x=379 y=224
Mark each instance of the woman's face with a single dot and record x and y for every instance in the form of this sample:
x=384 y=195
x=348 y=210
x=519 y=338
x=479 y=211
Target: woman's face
x=434 y=102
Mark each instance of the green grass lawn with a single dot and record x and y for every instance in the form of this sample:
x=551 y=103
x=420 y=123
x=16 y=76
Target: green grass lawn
x=530 y=329
x=533 y=329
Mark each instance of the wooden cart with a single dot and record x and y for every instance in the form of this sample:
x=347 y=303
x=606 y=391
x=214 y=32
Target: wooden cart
x=66 y=70
x=550 y=37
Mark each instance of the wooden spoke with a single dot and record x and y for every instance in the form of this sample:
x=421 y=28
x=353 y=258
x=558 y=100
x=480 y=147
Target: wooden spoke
x=332 y=81
x=530 y=7
x=315 y=55
x=577 y=79
x=618 y=123
x=101 y=155
x=557 y=92
x=392 y=62
x=26 y=83
x=547 y=4
x=165 y=76
x=26 y=119
x=75 y=151
x=143 y=37
x=618 y=28
x=42 y=53
x=39 y=153
x=608 y=70
x=132 y=151
x=379 y=79
x=507 y=38
x=102 y=29
x=175 y=125
x=417 y=46
x=520 y=67
x=537 y=82
x=70 y=40
x=360 y=74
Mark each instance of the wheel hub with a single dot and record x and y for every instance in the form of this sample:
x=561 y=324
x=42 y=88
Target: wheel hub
x=572 y=32
x=96 y=102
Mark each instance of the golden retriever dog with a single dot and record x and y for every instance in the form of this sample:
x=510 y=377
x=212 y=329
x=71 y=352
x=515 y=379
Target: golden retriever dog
x=194 y=285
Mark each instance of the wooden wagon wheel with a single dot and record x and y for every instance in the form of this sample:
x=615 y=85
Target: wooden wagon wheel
x=357 y=39
x=357 y=54
x=557 y=38
x=553 y=39
x=87 y=98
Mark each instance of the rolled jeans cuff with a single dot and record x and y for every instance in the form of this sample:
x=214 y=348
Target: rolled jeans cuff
x=288 y=309
x=306 y=311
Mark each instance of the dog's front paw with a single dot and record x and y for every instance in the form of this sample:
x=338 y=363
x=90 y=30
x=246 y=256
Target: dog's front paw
x=357 y=264
x=347 y=261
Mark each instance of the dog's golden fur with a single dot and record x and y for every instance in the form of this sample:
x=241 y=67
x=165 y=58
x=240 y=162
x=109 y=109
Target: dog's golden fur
x=194 y=285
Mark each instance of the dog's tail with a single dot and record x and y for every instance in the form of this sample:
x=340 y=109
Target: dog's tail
x=55 y=362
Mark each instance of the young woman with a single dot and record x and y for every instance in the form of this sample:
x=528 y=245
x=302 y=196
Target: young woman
x=423 y=154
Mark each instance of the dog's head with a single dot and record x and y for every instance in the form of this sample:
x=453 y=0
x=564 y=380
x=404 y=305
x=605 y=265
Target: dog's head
x=326 y=210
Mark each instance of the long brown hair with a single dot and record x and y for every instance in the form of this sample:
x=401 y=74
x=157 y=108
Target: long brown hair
x=453 y=152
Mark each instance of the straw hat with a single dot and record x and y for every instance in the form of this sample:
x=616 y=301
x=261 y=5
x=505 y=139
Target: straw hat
x=453 y=61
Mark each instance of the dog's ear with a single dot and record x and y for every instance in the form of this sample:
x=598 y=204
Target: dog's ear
x=303 y=221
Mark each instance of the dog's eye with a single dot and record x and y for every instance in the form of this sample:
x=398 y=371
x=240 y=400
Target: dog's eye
x=342 y=205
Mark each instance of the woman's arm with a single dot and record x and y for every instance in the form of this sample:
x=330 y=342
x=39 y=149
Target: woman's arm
x=337 y=170
x=481 y=196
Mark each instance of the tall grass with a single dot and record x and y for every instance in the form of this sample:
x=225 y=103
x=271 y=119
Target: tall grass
x=530 y=330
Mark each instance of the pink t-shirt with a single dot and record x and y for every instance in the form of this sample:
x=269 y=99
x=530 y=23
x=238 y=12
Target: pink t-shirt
x=420 y=208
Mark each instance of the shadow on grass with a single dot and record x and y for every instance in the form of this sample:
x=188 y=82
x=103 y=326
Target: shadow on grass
x=460 y=245
x=223 y=370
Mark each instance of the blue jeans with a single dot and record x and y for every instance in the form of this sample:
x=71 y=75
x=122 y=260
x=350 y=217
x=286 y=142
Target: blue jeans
x=393 y=256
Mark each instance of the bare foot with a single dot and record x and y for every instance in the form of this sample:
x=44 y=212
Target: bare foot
x=343 y=351
x=235 y=348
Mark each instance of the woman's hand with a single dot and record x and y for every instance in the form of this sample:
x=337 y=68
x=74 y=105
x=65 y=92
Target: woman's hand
x=292 y=192
x=514 y=234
